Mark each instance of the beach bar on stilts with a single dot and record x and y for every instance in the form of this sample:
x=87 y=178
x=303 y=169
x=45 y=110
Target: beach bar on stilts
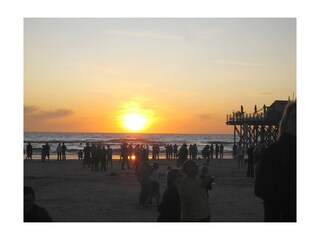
x=259 y=127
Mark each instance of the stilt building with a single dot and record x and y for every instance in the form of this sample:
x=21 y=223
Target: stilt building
x=259 y=127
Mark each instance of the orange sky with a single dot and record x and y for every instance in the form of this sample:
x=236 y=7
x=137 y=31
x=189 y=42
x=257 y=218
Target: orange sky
x=182 y=75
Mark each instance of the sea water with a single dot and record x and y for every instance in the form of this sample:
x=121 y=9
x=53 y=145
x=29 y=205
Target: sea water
x=77 y=141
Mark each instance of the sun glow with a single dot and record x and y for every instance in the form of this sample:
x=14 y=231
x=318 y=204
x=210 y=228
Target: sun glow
x=134 y=121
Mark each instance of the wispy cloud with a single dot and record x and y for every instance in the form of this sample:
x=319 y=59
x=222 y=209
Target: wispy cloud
x=204 y=116
x=239 y=63
x=35 y=112
x=261 y=94
x=148 y=34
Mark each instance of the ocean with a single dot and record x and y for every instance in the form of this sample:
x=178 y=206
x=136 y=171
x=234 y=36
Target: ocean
x=77 y=141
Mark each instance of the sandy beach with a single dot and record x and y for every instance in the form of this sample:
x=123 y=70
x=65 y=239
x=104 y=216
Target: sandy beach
x=72 y=193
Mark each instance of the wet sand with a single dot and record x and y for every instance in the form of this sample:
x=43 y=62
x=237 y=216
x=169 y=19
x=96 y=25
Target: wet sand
x=72 y=193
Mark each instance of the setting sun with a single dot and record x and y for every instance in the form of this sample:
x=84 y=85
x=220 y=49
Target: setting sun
x=134 y=121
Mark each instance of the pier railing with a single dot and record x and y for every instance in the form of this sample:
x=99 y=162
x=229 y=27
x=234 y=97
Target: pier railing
x=270 y=118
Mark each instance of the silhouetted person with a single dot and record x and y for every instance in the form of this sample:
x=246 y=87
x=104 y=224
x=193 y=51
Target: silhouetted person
x=59 y=150
x=206 y=154
x=63 y=151
x=221 y=151
x=182 y=155
x=250 y=169
x=211 y=151
x=190 y=151
x=194 y=200
x=154 y=184
x=87 y=153
x=170 y=151
x=143 y=177
x=276 y=171
x=204 y=174
x=217 y=150
x=175 y=150
x=46 y=150
x=241 y=110
x=153 y=151
x=234 y=151
x=109 y=156
x=103 y=159
x=125 y=155
x=43 y=153
x=195 y=151
x=240 y=155
x=158 y=151
x=29 y=152
x=170 y=205
x=167 y=151
x=255 y=108
x=33 y=212
x=137 y=152
x=94 y=158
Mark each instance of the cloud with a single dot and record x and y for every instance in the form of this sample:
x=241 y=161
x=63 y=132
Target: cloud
x=265 y=94
x=35 y=112
x=148 y=34
x=239 y=63
x=30 y=109
x=204 y=116
x=261 y=94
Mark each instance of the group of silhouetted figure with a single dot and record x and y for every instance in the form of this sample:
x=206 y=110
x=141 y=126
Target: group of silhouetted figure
x=208 y=152
x=97 y=157
x=45 y=152
x=186 y=196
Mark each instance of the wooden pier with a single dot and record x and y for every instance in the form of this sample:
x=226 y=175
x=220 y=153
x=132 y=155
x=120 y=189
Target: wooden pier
x=259 y=127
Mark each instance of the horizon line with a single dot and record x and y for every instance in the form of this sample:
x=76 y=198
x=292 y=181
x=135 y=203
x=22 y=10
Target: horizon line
x=129 y=133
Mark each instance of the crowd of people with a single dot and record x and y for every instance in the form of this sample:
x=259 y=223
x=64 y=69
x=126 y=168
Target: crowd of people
x=97 y=157
x=186 y=196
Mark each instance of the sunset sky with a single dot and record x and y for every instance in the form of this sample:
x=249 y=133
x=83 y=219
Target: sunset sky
x=181 y=75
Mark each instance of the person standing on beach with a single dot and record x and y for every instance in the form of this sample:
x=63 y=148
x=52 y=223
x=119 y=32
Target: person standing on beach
x=87 y=152
x=182 y=155
x=109 y=156
x=170 y=206
x=221 y=151
x=211 y=150
x=158 y=151
x=203 y=174
x=94 y=158
x=59 y=150
x=250 y=169
x=194 y=200
x=143 y=177
x=276 y=172
x=125 y=155
x=103 y=159
x=154 y=184
x=29 y=152
x=217 y=150
x=206 y=154
x=190 y=151
x=240 y=155
x=234 y=151
x=195 y=151
x=175 y=151
x=46 y=151
x=137 y=153
x=63 y=151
